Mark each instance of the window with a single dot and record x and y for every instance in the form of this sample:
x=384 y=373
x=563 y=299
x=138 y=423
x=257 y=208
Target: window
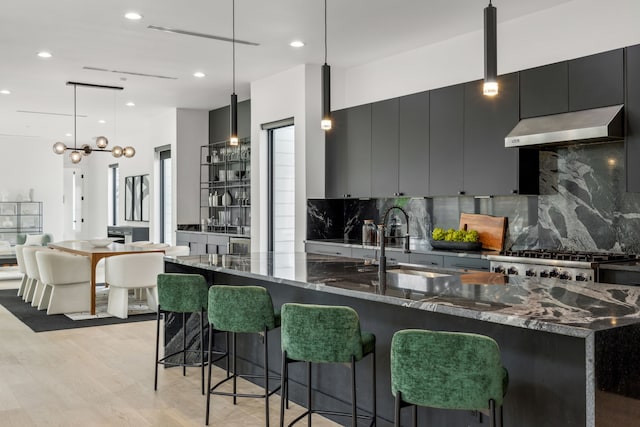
x=282 y=189
x=113 y=183
x=166 y=235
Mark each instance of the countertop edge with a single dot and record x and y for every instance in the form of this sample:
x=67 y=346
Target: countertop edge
x=426 y=305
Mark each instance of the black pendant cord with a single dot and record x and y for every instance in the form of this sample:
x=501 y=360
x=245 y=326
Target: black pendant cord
x=325 y=32
x=75 y=117
x=233 y=41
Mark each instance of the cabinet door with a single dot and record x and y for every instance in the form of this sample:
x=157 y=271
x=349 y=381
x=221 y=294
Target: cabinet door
x=359 y=151
x=544 y=90
x=596 y=80
x=446 y=118
x=384 y=148
x=336 y=156
x=426 y=259
x=467 y=263
x=414 y=145
x=489 y=167
x=632 y=108
x=324 y=249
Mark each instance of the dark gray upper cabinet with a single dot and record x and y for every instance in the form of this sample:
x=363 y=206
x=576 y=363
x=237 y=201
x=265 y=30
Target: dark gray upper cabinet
x=544 y=90
x=220 y=122
x=446 y=127
x=596 y=80
x=489 y=167
x=359 y=151
x=336 y=156
x=414 y=145
x=384 y=148
x=348 y=153
x=632 y=110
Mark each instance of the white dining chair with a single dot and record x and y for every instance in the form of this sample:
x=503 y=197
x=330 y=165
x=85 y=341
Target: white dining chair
x=132 y=271
x=178 y=250
x=66 y=281
x=33 y=288
x=21 y=269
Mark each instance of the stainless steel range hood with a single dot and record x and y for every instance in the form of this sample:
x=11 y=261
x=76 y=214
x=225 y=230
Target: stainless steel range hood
x=595 y=125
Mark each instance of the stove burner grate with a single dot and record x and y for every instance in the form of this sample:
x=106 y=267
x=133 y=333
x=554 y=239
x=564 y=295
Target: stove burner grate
x=567 y=255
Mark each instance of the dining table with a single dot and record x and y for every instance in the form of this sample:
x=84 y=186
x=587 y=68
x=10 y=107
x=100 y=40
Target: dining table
x=96 y=253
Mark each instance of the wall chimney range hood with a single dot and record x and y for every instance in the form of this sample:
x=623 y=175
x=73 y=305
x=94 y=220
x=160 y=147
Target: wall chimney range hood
x=586 y=126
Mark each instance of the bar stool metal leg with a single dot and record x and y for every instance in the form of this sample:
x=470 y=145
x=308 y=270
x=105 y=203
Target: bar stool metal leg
x=155 y=382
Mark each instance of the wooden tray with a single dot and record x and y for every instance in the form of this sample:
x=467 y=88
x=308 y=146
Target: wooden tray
x=491 y=229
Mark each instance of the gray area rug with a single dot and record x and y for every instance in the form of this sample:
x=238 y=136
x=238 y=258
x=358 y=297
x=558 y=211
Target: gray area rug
x=39 y=321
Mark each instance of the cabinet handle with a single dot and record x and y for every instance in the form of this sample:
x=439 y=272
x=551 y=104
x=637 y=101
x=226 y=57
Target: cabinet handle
x=514 y=191
x=461 y=193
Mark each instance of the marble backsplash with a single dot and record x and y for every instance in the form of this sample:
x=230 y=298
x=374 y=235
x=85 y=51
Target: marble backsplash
x=582 y=206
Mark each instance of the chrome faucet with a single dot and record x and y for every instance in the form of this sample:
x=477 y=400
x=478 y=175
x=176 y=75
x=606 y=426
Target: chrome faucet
x=382 y=261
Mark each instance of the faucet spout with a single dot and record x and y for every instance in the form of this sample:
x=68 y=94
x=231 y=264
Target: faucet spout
x=382 y=263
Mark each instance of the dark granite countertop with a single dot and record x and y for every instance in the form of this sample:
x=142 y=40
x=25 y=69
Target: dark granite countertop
x=420 y=246
x=548 y=305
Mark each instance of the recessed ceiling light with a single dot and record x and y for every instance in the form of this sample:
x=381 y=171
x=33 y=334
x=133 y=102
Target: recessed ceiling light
x=102 y=121
x=134 y=16
x=296 y=43
x=5 y=91
x=130 y=104
x=68 y=134
x=198 y=74
x=44 y=54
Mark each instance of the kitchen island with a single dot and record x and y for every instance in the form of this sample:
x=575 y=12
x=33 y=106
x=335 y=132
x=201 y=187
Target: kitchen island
x=569 y=349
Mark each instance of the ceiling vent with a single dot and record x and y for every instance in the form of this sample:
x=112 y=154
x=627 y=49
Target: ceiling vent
x=130 y=73
x=203 y=35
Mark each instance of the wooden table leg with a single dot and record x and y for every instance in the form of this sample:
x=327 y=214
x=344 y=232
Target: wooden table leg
x=94 y=263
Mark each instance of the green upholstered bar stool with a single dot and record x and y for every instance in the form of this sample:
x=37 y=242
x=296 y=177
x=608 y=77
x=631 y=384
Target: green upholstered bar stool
x=181 y=293
x=324 y=334
x=242 y=309
x=448 y=370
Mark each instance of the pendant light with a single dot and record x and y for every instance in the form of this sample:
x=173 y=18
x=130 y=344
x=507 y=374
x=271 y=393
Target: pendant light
x=326 y=81
x=490 y=87
x=233 y=138
x=101 y=141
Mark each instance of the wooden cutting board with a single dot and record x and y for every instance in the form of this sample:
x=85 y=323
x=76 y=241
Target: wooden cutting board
x=490 y=228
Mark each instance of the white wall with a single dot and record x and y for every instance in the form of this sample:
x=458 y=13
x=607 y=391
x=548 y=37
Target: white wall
x=192 y=132
x=158 y=131
x=292 y=93
x=570 y=30
x=31 y=163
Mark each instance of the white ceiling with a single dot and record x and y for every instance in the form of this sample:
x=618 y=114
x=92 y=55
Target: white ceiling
x=94 y=33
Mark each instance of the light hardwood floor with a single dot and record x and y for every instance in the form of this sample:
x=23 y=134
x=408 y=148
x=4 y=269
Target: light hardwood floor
x=103 y=376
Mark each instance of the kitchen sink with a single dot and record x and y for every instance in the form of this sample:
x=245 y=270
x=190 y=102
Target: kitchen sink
x=419 y=280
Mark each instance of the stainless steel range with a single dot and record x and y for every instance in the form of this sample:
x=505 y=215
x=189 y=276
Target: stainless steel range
x=566 y=265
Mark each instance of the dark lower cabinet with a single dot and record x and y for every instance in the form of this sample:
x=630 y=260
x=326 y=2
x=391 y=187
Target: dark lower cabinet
x=414 y=145
x=446 y=133
x=596 y=80
x=632 y=111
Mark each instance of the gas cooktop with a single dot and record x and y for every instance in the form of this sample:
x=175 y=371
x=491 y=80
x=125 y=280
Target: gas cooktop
x=562 y=255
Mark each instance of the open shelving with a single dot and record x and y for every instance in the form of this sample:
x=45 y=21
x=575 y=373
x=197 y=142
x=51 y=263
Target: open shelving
x=225 y=187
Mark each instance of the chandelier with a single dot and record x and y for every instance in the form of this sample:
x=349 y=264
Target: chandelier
x=101 y=142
